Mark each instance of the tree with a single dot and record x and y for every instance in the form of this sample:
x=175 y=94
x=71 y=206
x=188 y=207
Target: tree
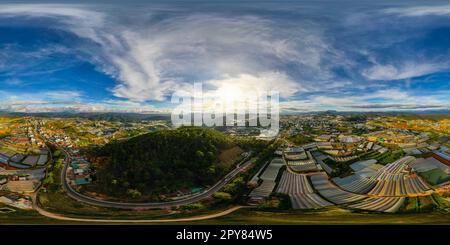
x=165 y=160
x=49 y=179
x=57 y=153
x=193 y=206
x=222 y=196
x=133 y=193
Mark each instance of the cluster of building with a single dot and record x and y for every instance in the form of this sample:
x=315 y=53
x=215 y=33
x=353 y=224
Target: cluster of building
x=424 y=125
x=79 y=172
x=368 y=185
x=9 y=159
x=22 y=149
x=23 y=160
x=81 y=132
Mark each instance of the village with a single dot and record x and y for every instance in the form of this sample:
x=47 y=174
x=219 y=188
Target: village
x=322 y=161
x=379 y=168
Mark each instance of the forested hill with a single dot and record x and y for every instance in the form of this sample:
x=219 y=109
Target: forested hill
x=162 y=161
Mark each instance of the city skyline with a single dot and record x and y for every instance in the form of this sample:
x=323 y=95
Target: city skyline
x=108 y=57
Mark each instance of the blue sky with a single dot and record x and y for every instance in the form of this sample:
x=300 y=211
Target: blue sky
x=351 y=55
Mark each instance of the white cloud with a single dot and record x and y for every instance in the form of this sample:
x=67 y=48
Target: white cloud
x=214 y=48
x=403 y=71
x=40 y=96
x=22 y=103
x=154 y=58
x=388 y=99
x=262 y=82
x=420 y=10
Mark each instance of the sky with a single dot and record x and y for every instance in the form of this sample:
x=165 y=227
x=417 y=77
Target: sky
x=320 y=55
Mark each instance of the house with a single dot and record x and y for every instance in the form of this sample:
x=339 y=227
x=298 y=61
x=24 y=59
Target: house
x=82 y=180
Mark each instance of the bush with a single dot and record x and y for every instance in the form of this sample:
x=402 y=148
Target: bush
x=222 y=196
x=193 y=206
x=133 y=193
x=49 y=179
x=235 y=185
x=276 y=201
x=57 y=153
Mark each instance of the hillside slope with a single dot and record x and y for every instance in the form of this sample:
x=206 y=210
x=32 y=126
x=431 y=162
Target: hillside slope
x=163 y=161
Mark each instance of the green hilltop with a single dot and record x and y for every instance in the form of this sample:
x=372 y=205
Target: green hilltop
x=163 y=161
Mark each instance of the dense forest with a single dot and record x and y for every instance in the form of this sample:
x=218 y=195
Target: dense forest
x=162 y=161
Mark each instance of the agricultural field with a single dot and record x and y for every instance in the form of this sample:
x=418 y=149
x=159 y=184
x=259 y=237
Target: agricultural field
x=393 y=181
x=301 y=193
x=435 y=176
x=424 y=204
x=384 y=158
x=355 y=183
x=380 y=204
x=329 y=215
x=331 y=192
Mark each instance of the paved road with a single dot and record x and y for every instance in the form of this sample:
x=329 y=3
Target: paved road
x=124 y=205
x=187 y=219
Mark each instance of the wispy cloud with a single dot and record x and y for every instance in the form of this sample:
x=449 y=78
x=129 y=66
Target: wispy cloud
x=316 y=63
x=399 y=106
x=393 y=99
x=408 y=70
x=151 y=60
x=50 y=96
x=418 y=11
x=63 y=106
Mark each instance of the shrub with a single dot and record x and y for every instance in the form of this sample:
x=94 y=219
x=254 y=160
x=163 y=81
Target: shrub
x=222 y=195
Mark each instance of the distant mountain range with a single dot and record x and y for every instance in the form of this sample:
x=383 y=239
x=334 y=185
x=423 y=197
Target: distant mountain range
x=333 y=112
x=122 y=116
x=113 y=116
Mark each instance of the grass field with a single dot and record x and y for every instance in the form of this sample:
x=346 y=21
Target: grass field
x=255 y=217
x=330 y=216
x=411 y=205
x=62 y=204
x=25 y=217
x=424 y=204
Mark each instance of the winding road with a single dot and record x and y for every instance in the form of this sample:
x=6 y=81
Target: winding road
x=93 y=201
x=130 y=221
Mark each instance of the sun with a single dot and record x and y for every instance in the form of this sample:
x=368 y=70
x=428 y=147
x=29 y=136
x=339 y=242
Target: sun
x=230 y=93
